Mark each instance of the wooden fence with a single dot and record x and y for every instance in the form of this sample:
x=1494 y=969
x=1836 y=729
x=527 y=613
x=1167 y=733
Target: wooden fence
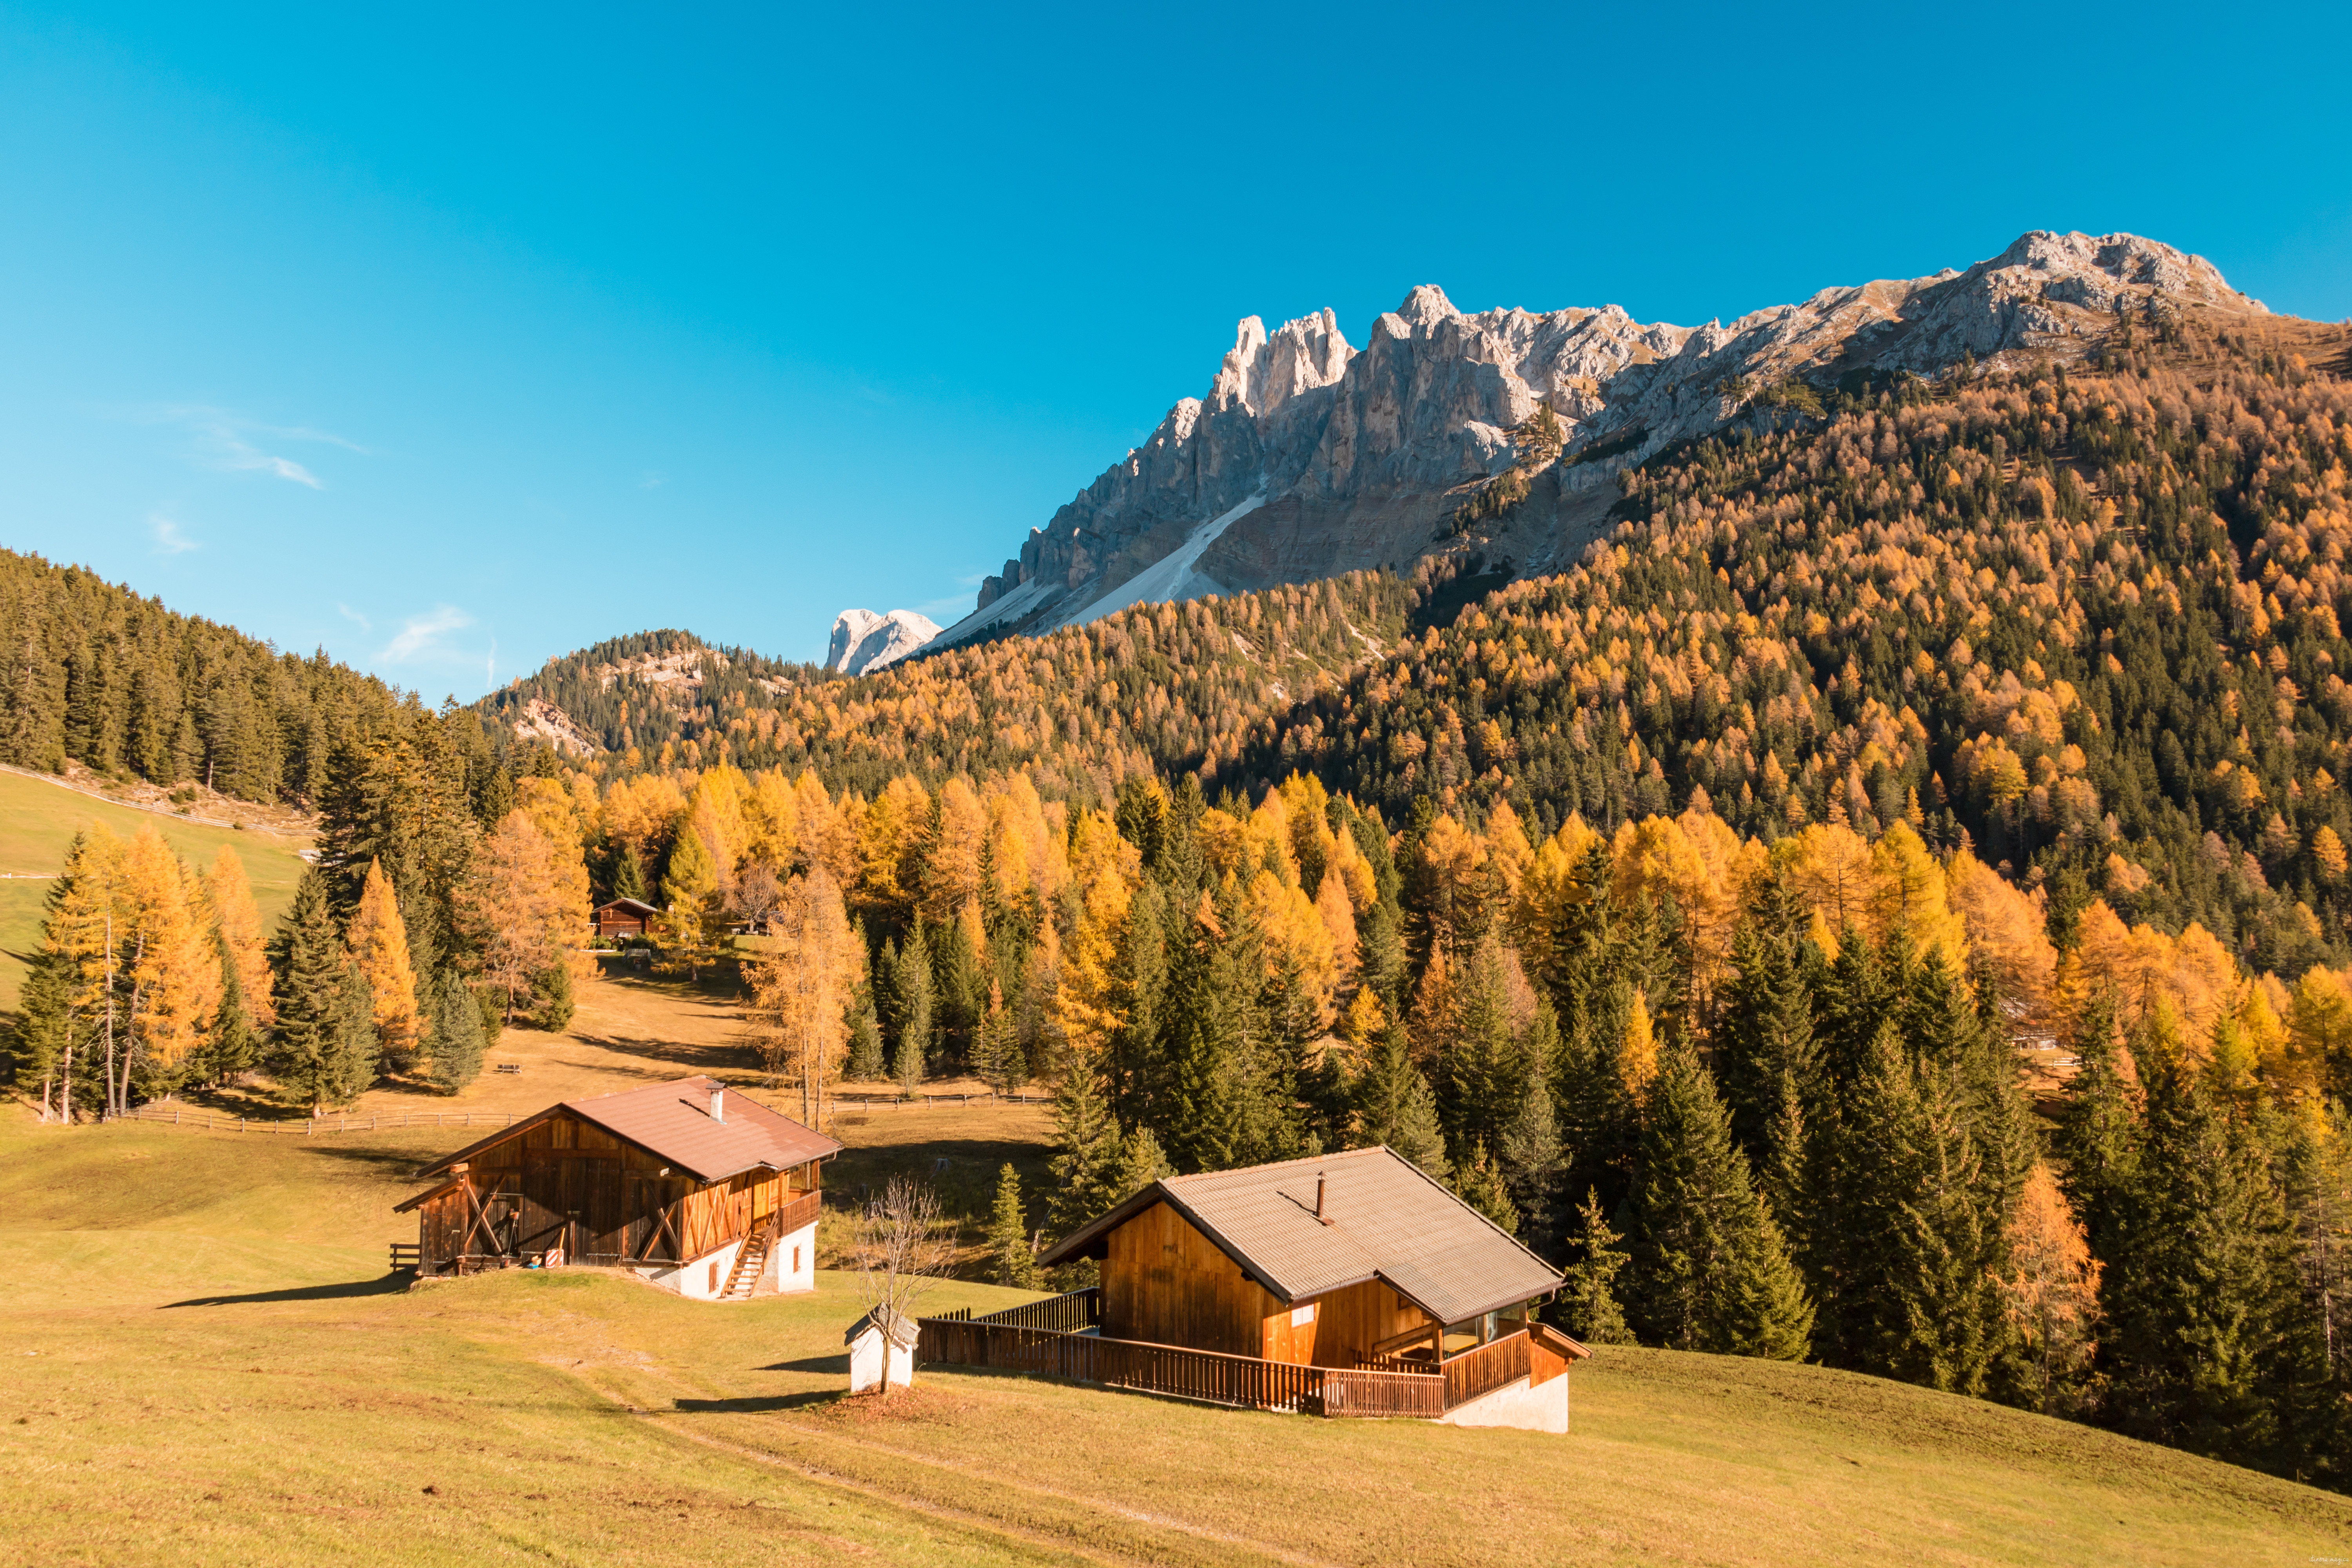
x=866 y=1101
x=1204 y=1376
x=204 y=1121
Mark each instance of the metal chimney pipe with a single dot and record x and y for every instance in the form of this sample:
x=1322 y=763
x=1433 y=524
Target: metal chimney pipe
x=1318 y=1199
x=718 y=1102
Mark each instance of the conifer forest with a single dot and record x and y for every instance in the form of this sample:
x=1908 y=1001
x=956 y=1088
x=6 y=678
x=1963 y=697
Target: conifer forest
x=1886 y=905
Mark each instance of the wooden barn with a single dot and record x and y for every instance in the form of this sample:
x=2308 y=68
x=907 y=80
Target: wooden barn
x=693 y=1186
x=625 y=917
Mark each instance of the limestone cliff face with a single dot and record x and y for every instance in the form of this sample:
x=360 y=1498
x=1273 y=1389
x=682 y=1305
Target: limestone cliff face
x=862 y=640
x=1308 y=457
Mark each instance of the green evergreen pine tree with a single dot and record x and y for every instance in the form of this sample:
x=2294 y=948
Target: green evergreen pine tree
x=1918 y=1299
x=912 y=978
x=1588 y=1301
x=553 y=999
x=455 y=1046
x=997 y=1054
x=1140 y=1163
x=2098 y=1139
x=866 y=1064
x=46 y=1026
x=1478 y=1183
x=307 y=962
x=1398 y=1108
x=1135 y=1066
x=1533 y=1164
x=1012 y=1250
x=1713 y=1272
x=629 y=875
x=233 y=1044
x=960 y=983
x=1767 y=1032
x=1482 y=1071
x=1085 y=1167
x=2199 y=1306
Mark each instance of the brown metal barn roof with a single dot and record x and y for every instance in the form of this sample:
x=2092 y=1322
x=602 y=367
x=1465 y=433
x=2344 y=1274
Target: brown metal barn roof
x=673 y=1121
x=1389 y=1221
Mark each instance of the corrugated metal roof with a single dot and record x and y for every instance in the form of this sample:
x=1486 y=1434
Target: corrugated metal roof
x=672 y=1121
x=1389 y=1221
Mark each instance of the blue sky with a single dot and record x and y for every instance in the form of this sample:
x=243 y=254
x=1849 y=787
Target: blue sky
x=453 y=339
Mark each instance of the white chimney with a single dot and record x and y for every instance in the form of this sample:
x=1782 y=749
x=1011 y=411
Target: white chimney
x=718 y=1102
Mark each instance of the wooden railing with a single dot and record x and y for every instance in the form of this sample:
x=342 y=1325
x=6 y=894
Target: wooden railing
x=1476 y=1373
x=1205 y=1376
x=1065 y=1314
x=800 y=1211
x=407 y=1254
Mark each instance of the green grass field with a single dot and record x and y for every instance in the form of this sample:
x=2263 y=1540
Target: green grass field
x=203 y=1360
x=37 y=820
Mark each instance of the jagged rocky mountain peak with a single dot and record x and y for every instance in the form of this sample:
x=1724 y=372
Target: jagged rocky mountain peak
x=862 y=640
x=1308 y=457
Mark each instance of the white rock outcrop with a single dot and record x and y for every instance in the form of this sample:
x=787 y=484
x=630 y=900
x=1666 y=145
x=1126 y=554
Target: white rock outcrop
x=862 y=640
x=1356 y=452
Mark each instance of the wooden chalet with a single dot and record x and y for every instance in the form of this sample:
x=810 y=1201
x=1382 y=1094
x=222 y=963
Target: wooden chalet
x=624 y=918
x=692 y=1184
x=1349 y=1284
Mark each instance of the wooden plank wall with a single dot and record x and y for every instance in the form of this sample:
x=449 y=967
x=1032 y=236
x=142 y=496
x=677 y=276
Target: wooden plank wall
x=1166 y=1283
x=565 y=1182
x=1349 y=1322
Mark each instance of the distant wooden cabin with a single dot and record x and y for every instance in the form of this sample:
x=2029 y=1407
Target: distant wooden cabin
x=693 y=1186
x=625 y=917
x=1348 y=1260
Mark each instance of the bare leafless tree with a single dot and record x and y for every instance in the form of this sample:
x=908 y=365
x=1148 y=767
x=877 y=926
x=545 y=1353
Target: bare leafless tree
x=903 y=1247
x=758 y=895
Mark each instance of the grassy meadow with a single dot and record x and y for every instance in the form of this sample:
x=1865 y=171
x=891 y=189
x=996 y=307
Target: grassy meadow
x=205 y=1361
x=38 y=820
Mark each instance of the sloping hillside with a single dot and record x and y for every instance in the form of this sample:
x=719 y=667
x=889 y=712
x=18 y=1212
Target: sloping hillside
x=38 y=820
x=321 y=1412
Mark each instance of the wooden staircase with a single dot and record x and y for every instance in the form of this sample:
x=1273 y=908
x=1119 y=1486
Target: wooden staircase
x=750 y=1261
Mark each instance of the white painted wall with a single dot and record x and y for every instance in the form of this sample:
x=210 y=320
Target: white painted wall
x=791 y=1264
x=1541 y=1408
x=865 y=1365
x=693 y=1280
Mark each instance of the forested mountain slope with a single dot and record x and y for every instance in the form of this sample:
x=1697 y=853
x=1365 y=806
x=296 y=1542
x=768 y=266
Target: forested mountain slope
x=92 y=672
x=2086 y=621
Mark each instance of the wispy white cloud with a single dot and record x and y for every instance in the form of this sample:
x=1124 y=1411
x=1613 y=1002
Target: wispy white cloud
x=650 y=480
x=421 y=635
x=353 y=616
x=169 y=539
x=230 y=442
x=946 y=611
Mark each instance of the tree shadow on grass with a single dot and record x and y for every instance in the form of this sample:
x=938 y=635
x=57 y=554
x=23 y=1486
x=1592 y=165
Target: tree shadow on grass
x=394 y=1164
x=390 y=1285
x=761 y=1405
